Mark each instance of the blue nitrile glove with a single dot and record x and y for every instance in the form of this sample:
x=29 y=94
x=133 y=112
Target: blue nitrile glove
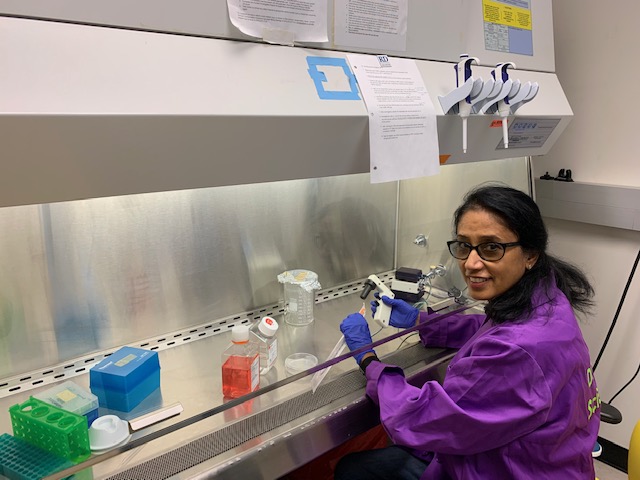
x=403 y=315
x=356 y=333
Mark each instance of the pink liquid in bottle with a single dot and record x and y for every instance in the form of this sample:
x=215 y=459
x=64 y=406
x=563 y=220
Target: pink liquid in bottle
x=237 y=376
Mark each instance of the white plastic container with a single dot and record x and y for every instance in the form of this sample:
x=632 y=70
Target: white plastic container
x=264 y=332
x=107 y=432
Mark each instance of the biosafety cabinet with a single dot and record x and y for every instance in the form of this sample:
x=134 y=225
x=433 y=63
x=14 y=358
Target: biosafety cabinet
x=161 y=168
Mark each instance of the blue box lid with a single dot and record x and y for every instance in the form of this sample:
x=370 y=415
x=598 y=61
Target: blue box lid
x=124 y=369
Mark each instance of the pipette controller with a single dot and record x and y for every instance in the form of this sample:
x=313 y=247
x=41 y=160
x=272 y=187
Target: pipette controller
x=383 y=312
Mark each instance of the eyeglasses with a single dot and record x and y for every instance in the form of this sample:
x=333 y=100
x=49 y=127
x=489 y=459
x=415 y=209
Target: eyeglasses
x=489 y=251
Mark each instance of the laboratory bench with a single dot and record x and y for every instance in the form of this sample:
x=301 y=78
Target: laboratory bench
x=265 y=434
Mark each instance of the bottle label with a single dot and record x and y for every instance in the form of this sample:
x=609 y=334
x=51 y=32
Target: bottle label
x=273 y=352
x=255 y=373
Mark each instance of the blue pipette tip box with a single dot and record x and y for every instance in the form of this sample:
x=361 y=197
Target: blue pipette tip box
x=125 y=378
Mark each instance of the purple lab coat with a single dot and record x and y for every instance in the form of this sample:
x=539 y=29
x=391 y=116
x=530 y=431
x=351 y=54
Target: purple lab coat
x=518 y=400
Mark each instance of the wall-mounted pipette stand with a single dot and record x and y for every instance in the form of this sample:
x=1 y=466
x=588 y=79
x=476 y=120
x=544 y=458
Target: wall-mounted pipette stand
x=458 y=101
x=499 y=95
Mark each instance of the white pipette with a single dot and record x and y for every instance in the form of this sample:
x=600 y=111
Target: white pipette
x=463 y=73
x=337 y=350
x=503 y=105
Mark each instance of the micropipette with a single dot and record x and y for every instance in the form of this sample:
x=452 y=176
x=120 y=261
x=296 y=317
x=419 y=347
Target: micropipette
x=463 y=73
x=503 y=105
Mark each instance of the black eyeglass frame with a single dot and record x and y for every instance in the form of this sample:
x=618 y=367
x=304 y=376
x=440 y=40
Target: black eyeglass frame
x=475 y=247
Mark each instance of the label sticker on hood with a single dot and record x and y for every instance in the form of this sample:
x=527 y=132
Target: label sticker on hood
x=507 y=26
x=529 y=132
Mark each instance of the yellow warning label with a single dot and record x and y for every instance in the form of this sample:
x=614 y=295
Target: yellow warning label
x=495 y=12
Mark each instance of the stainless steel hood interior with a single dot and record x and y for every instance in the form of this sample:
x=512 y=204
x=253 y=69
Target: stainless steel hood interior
x=92 y=111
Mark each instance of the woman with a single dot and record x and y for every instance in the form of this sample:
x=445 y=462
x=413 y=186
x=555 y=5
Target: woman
x=519 y=400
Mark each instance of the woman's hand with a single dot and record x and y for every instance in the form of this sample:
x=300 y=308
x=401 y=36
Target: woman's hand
x=356 y=333
x=403 y=315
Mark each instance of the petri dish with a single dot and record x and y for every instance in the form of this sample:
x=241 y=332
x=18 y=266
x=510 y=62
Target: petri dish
x=299 y=362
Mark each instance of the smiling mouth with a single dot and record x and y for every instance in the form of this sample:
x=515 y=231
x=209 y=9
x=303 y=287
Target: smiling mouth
x=476 y=280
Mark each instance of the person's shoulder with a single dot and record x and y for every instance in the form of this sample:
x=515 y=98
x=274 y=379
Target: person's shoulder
x=550 y=325
x=549 y=301
x=539 y=325
x=557 y=307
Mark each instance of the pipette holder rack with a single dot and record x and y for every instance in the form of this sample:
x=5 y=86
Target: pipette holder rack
x=451 y=100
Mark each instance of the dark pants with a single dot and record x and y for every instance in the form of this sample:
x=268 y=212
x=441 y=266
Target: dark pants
x=384 y=464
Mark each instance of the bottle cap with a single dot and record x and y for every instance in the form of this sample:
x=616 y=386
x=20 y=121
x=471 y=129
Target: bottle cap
x=240 y=334
x=268 y=326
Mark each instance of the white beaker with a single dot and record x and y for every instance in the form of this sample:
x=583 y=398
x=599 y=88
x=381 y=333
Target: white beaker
x=299 y=296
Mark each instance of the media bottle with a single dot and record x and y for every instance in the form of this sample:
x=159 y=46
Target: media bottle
x=240 y=364
x=264 y=332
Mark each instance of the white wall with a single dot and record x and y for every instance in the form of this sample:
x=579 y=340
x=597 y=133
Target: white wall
x=595 y=62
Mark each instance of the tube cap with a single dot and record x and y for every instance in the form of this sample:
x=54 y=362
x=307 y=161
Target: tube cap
x=240 y=334
x=268 y=326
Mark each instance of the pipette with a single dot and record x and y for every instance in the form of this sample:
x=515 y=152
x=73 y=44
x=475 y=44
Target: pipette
x=503 y=105
x=337 y=350
x=463 y=73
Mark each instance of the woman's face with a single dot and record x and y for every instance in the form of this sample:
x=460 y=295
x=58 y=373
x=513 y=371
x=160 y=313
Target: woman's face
x=487 y=280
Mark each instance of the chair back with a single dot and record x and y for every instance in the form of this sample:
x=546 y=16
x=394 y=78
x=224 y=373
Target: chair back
x=634 y=453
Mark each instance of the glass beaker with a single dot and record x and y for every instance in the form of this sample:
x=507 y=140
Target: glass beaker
x=299 y=296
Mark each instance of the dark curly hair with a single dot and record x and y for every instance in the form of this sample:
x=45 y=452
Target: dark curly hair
x=521 y=215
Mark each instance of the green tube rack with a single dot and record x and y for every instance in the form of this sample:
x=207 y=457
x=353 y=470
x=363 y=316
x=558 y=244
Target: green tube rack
x=52 y=429
x=20 y=460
